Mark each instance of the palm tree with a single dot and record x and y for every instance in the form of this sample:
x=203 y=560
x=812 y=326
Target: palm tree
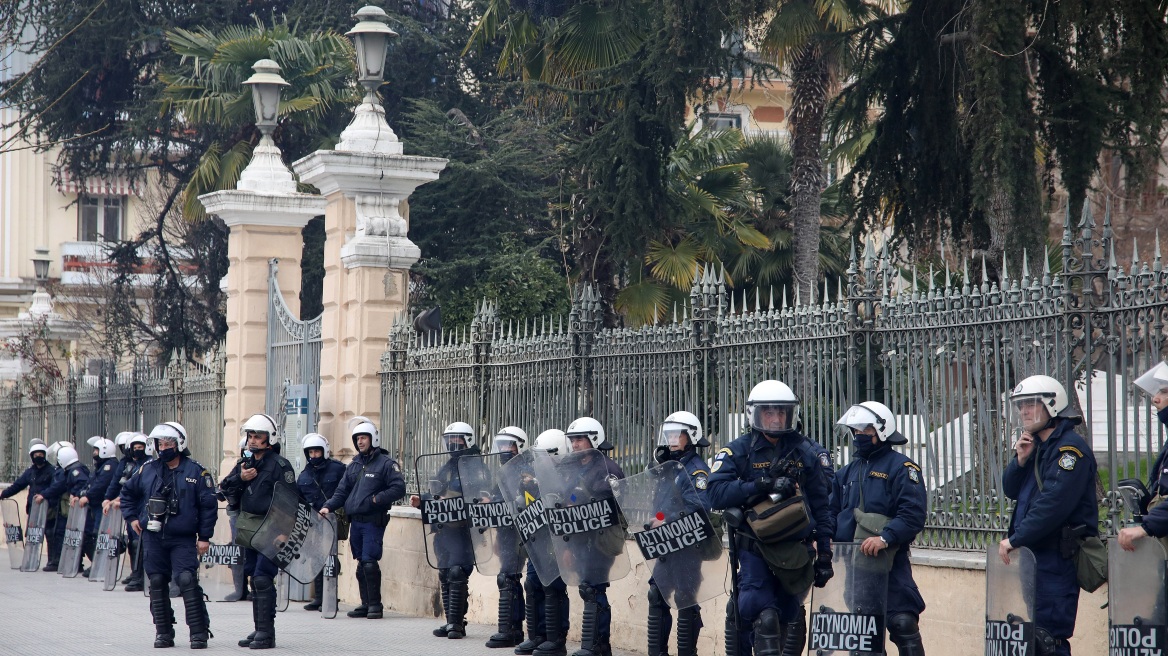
x=811 y=39
x=210 y=95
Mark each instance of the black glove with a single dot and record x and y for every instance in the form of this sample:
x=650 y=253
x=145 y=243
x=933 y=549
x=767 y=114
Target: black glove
x=823 y=570
x=784 y=487
x=763 y=485
x=661 y=455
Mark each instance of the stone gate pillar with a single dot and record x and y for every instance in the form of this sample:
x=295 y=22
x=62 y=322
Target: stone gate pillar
x=367 y=258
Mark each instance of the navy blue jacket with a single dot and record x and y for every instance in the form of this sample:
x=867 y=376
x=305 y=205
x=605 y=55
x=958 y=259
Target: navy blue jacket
x=122 y=473
x=318 y=484
x=1156 y=521
x=371 y=484
x=255 y=496
x=72 y=480
x=104 y=471
x=748 y=459
x=197 y=508
x=36 y=479
x=1067 y=468
x=699 y=475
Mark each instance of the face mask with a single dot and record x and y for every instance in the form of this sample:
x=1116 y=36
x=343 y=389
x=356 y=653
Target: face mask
x=862 y=443
x=316 y=462
x=138 y=454
x=1163 y=415
x=166 y=455
x=38 y=461
x=506 y=456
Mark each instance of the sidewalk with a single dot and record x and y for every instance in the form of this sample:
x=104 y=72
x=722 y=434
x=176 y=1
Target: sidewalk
x=43 y=614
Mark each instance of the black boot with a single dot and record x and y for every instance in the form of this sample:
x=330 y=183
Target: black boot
x=363 y=609
x=555 y=607
x=590 y=625
x=198 y=621
x=730 y=635
x=459 y=593
x=795 y=634
x=161 y=611
x=655 y=627
x=246 y=642
x=444 y=582
x=532 y=602
x=239 y=579
x=317 y=593
x=689 y=624
x=263 y=613
x=372 y=588
x=768 y=638
x=507 y=635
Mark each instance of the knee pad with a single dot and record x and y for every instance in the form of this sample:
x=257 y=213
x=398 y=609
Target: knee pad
x=1046 y=644
x=159 y=582
x=531 y=585
x=902 y=624
x=456 y=574
x=768 y=622
x=186 y=580
x=655 y=598
x=262 y=583
x=503 y=581
x=587 y=593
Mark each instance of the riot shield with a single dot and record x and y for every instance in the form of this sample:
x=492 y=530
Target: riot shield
x=672 y=530
x=492 y=529
x=283 y=583
x=444 y=523
x=13 y=532
x=521 y=492
x=294 y=536
x=1010 y=592
x=71 y=548
x=582 y=515
x=847 y=615
x=1136 y=602
x=111 y=551
x=217 y=567
x=34 y=539
x=332 y=571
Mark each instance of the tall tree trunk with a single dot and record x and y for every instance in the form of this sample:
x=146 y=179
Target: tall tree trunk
x=809 y=80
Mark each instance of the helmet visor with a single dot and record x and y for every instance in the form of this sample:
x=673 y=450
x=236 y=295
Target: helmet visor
x=506 y=444
x=773 y=417
x=672 y=432
x=1155 y=380
x=1029 y=413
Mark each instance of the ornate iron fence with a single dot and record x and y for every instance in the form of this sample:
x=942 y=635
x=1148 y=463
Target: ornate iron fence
x=942 y=352
x=111 y=401
x=293 y=359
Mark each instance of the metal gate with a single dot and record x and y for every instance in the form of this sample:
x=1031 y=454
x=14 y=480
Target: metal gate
x=293 y=360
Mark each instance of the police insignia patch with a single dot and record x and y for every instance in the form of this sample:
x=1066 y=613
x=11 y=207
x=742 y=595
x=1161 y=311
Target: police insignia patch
x=396 y=468
x=914 y=476
x=106 y=468
x=288 y=477
x=1068 y=461
x=825 y=460
x=717 y=465
x=76 y=472
x=700 y=482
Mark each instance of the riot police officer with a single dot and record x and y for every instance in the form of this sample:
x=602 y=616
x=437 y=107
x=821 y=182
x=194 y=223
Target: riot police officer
x=583 y=434
x=883 y=481
x=545 y=607
x=238 y=575
x=69 y=482
x=252 y=484
x=1052 y=479
x=104 y=452
x=775 y=461
x=452 y=547
x=318 y=482
x=1155 y=521
x=509 y=442
x=134 y=456
x=170 y=503
x=36 y=478
x=370 y=486
x=680 y=437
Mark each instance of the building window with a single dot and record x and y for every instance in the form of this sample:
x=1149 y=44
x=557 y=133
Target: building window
x=724 y=121
x=101 y=218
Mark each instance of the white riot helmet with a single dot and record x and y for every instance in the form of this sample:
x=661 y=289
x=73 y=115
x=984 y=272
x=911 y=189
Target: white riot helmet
x=105 y=448
x=66 y=456
x=590 y=428
x=1154 y=380
x=94 y=440
x=878 y=416
x=137 y=438
x=55 y=448
x=772 y=395
x=511 y=435
x=459 y=429
x=553 y=441
x=363 y=426
x=242 y=445
x=170 y=430
x=681 y=422
x=122 y=441
x=38 y=447
x=261 y=423
x=1049 y=393
x=315 y=441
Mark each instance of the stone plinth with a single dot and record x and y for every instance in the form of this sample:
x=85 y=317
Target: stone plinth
x=366 y=260
x=263 y=226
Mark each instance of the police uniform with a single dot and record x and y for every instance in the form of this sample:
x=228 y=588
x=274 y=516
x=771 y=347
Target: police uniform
x=511 y=600
x=1065 y=498
x=732 y=485
x=538 y=600
x=188 y=494
x=67 y=481
x=103 y=473
x=372 y=483
x=888 y=483
x=660 y=623
x=317 y=484
x=255 y=497
x=1155 y=521
x=122 y=473
x=36 y=479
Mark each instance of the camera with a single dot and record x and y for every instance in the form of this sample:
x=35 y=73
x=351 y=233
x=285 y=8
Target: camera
x=158 y=508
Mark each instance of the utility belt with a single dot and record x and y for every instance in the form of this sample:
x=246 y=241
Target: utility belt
x=790 y=562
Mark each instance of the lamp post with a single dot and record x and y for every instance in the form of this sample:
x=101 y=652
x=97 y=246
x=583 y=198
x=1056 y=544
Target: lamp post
x=42 y=303
x=368 y=132
x=265 y=86
x=266 y=172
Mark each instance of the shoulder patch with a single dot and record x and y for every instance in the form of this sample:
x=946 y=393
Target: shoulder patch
x=1071 y=449
x=289 y=477
x=76 y=472
x=699 y=472
x=1068 y=461
x=717 y=464
x=723 y=452
x=914 y=475
x=701 y=482
x=912 y=465
x=106 y=468
x=397 y=467
x=824 y=459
